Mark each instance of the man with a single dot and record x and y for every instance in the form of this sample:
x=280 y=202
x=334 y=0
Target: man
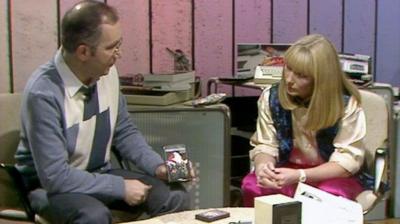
x=72 y=114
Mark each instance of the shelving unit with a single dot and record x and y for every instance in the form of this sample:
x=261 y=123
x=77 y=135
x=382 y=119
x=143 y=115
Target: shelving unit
x=243 y=122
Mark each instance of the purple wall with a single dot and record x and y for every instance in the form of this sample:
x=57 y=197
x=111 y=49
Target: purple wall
x=253 y=22
x=206 y=30
x=359 y=27
x=387 y=67
x=326 y=19
x=289 y=20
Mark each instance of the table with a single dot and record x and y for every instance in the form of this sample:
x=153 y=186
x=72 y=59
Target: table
x=187 y=217
x=236 y=214
x=213 y=82
x=386 y=221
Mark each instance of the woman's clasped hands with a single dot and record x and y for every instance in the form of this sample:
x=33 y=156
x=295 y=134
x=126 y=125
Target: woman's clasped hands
x=269 y=176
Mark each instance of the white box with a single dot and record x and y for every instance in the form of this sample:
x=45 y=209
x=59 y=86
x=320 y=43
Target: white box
x=277 y=209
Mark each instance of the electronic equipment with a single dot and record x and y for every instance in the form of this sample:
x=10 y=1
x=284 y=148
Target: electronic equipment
x=268 y=74
x=267 y=55
x=355 y=63
x=357 y=67
x=264 y=62
x=205 y=131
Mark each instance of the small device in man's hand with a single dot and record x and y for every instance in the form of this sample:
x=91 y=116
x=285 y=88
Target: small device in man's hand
x=177 y=163
x=212 y=215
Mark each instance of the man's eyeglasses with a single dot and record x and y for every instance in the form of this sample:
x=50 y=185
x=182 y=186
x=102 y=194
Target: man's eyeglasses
x=117 y=49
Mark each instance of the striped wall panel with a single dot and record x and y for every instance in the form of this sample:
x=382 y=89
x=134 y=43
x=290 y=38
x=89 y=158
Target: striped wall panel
x=252 y=24
x=207 y=31
x=171 y=28
x=387 y=66
x=359 y=27
x=213 y=39
x=5 y=83
x=289 y=20
x=34 y=37
x=252 y=21
x=134 y=18
x=325 y=17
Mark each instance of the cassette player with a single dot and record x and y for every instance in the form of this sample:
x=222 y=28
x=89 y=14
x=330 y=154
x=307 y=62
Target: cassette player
x=357 y=67
x=355 y=63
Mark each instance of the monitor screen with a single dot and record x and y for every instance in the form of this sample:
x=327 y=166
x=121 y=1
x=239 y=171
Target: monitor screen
x=250 y=55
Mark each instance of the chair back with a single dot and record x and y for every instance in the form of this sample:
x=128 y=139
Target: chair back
x=377 y=119
x=9 y=125
x=377 y=146
x=9 y=138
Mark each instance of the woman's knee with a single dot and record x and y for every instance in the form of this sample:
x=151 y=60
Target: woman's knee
x=344 y=187
x=249 y=185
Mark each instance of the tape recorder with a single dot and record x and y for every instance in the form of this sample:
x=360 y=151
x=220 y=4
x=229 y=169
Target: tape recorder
x=357 y=67
x=355 y=63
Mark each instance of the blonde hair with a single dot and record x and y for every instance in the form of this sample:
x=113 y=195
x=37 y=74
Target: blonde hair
x=315 y=56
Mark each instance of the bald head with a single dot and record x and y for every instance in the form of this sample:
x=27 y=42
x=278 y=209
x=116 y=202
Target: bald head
x=81 y=24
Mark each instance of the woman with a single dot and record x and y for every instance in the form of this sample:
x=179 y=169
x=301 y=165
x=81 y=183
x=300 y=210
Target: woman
x=310 y=127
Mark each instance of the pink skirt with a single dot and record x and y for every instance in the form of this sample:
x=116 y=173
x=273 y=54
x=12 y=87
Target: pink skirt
x=345 y=187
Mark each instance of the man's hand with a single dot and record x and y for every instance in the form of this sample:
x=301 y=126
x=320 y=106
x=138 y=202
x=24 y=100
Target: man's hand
x=135 y=192
x=161 y=172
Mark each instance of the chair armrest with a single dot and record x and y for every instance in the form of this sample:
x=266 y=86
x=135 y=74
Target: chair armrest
x=380 y=187
x=380 y=163
x=370 y=198
x=19 y=185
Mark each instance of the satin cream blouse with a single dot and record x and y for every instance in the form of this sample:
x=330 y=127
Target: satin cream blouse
x=349 y=151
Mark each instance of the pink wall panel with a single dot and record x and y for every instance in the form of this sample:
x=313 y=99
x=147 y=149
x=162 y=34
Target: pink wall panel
x=172 y=28
x=134 y=17
x=290 y=20
x=252 y=25
x=326 y=19
x=4 y=53
x=34 y=41
x=252 y=21
x=213 y=39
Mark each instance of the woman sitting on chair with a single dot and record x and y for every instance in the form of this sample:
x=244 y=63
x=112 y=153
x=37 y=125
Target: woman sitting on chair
x=310 y=127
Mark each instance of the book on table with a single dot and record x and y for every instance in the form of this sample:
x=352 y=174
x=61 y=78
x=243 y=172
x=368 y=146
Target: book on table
x=170 y=82
x=170 y=77
x=169 y=86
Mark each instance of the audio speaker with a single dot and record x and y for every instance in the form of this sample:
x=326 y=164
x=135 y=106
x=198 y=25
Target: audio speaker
x=205 y=133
